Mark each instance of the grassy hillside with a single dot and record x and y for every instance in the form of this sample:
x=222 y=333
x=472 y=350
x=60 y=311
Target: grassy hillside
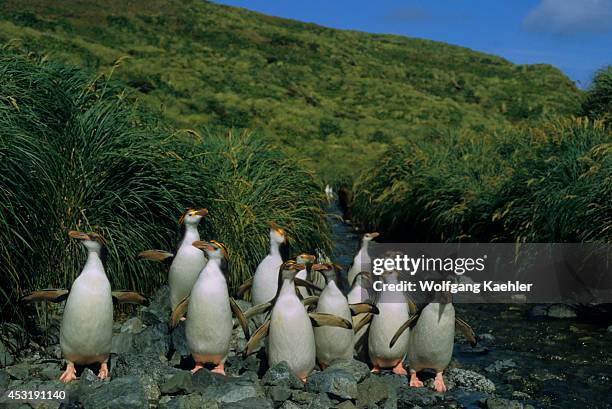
x=299 y=83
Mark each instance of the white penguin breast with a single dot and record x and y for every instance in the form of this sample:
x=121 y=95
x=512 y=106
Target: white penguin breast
x=384 y=326
x=265 y=280
x=291 y=337
x=87 y=324
x=184 y=271
x=432 y=338
x=333 y=342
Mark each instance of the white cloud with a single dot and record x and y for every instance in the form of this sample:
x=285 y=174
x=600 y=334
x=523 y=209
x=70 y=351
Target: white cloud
x=570 y=17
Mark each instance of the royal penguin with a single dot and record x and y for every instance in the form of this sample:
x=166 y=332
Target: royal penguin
x=308 y=274
x=86 y=330
x=209 y=324
x=290 y=326
x=187 y=262
x=432 y=336
x=361 y=261
x=264 y=282
x=393 y=312
x=359 y=293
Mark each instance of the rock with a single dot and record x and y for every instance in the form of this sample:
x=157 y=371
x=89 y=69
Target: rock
x=477 y=350
x=6 y=358
x=159 y=309
x=336 y=382
x=193 y=401
x=302 y=397
x=249 y=403
x=561 y=311
x=147 y=363
x=120 y=393
x=179 y=341
x=373 y=390
x=88 y=377
x=133 y=325
x=321 y=401
x=49 y=371
x=501 y=366
x=538 y=311
x=278 y=393
x=358 y=369
x=153 y=339
x=178 y=383
x=19 y=371
x=486 y=337
x=234 y=392
x=122 y=343
x=5 y=379
x=151 y=390
x=347 y=404
x=281 y=375
x=290 y=405
x=610 y=329
x=417 y=397
x=469 y=380
x=500 y=403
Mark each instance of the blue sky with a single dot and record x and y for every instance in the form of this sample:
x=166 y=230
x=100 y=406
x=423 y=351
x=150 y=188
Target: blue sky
x=573 y=35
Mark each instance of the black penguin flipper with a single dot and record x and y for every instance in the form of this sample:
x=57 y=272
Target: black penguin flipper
x=258 y=335
x=309 y=301
x=408 y=324
x=467 y=331
x=160 y=256
x=129 y=297
x=52 y=294
x=363 y=307
x=319 y=319
x=307 y=284
x=258 y=309
x=242 y=320
x=245 y=287
x=365 y=320
x=179 y=312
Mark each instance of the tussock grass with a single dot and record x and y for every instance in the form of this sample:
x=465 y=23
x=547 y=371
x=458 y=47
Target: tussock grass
x=76 y=153
x=547 y=184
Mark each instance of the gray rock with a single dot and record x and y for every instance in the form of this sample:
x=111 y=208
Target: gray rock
x=486 y=337
x=149 y=364
x=281 y=375
x=467 y=379
x=234 y=392
x=610 y=329
x=409 y=397
x=49 y=371
x=159 y=309
x=19 y=371
x=151 y=390
x=122 y=343
x=501 y=366
x=538 y=311
x=88 y=377
x=561 y=311
x=153 y=339
x=373 y=390
x=249 y=403
x=5 y=379
x=6 y=358
x=181 y=382
x=193 y=401
x=347 y=404
x=179 y=341
x=321 y=401
x=302 y=397
x=500 y=403
x=120 y=393
x=358 y=369
x=336 y=382
x=133 y=325
x=290 y=405
x=278 y=393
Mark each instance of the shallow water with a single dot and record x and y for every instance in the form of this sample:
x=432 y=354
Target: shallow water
x=558 y=363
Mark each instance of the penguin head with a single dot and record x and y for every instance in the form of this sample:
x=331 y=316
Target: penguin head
x=277 y=234
x=305 y=260
x=289 y=269
x=370 y=236
x=214 y=250
x=363 y=279
x=329 y=270
x=192 y=217
x=92 y=241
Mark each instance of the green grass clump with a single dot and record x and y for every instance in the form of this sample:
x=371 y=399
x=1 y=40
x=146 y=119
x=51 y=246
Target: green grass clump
x=547 y=184
x=598 y=101
x=77 y=153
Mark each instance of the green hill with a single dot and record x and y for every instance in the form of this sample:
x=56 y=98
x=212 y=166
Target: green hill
x=300 y=84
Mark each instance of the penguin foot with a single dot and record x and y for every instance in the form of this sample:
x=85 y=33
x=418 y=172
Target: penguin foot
x=183 y=318
x=399 y=369
x=197 y=367
x=375 y=369
x=103 y=372
x=69 y=374
x=414 y=380
x=323 y=366
x=220 y=369
x=303 y=379
x=439 y=383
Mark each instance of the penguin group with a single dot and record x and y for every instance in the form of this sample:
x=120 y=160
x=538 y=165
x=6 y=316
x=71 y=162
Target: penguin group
x=298 y=304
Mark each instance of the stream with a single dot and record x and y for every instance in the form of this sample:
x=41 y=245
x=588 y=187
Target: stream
x=546 y=362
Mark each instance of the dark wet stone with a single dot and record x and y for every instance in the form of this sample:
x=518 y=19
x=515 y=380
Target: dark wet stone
x=19 y=371
x=159 y=309
x=49 y=371
x=477 y=350
x=120 y=393
x=561 y=311
x=87 y=376
x=408 y=397
x=373 y=390
x=336 y=382
x=302 y=397
x=234 y=392
x=347 y=404
x=501 y=366
x=281 y=375
x=321 y=401
x=249 y=403
x=6 y=358
x=290 y=405
x=179 y=340
x=469 y=380
x=122 y=343
x=538 y=311
x=278 y=393
x=358 y=369
x=5 y=379
x=154 y=338
x=178 y=383
x=133 y=325
x=193 y=401
x=610 y=329
x=486 y=337
x=500 y=403
x=142 y=364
